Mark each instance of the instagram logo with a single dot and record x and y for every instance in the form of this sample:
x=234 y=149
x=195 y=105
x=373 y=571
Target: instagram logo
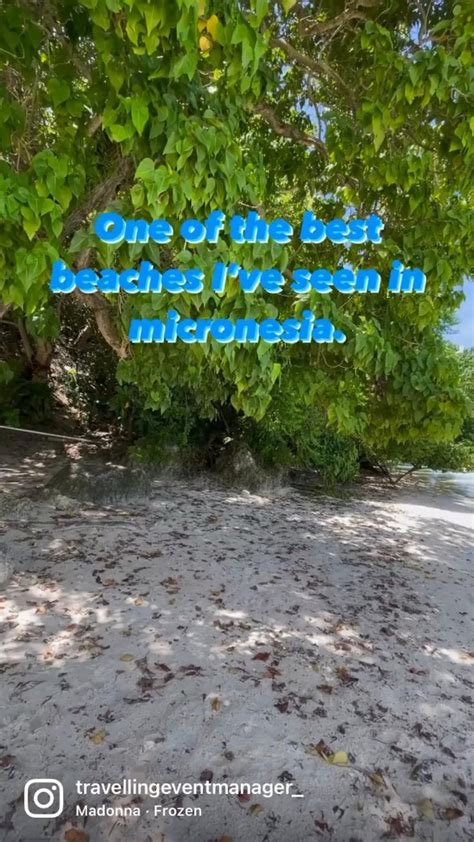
x=44 y=798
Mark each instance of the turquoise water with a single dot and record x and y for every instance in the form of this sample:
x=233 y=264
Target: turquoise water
x=448 y=481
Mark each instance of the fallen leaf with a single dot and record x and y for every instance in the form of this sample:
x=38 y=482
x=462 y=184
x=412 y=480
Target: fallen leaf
x=321 y=825
x=450 y=813
x=76 y=835
x=255 y=809
x=98 y=737
x=399 y=826
x=326 y=688
x=215 y=704
x=225 y=839
x=145 y=683
x=191 y=669
x=319 y=750
x=425 y=809
x=340 y=758
x=261 y=656
x=420 y=732
x=271 y=672
x=344 y=675
x=127 y=657
x=377 y=778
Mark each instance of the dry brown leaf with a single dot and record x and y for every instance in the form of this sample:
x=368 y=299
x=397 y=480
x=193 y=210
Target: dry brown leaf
x=127 y=657
x=377 y=778
x=74 y=834
x=399 y=826
x=450 y=813
x=322 y=825
x=344 y=675
x=271 y=672
x=319 y=750
x=255 y=809
x=215 y=704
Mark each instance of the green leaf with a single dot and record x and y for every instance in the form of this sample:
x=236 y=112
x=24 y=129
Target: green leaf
x=31 y=226
x=59 y=91
x=288 y=5
x=120 y=133
x=145 y=169
x=116 y=76
x=409 y=92
x=152 y=16
x=261 y=9
x=163 y=178
x=140 y=114
x=137 y=195
x=378 y=130
x=186 y=65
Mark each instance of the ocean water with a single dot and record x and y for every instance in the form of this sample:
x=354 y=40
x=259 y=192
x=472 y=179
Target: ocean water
x=461 y=484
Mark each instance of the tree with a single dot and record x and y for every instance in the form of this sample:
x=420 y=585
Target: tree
x=172 y=109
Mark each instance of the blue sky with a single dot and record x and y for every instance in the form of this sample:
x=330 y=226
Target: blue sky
x=463 y=333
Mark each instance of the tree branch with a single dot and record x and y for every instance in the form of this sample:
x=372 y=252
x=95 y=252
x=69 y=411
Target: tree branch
x=308 y=27
x=25 y=340
x=101 y=310
x=99 y=197
x=288 y=130
x=94 y=125
x=316 y=66
x=4 y=308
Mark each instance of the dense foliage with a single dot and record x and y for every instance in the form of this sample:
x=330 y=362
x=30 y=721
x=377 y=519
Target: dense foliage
x=172 y=109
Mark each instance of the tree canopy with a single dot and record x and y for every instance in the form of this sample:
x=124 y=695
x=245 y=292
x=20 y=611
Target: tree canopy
x=173 y=109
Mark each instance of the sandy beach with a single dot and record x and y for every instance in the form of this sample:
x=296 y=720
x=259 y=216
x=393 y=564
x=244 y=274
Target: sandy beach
x=199 y=633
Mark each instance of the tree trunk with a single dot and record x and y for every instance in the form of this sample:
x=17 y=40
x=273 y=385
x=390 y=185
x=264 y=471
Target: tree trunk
x=38 y=353
x=41 y=361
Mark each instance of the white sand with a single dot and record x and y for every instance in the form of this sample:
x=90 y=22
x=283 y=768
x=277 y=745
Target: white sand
x=129 y=635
